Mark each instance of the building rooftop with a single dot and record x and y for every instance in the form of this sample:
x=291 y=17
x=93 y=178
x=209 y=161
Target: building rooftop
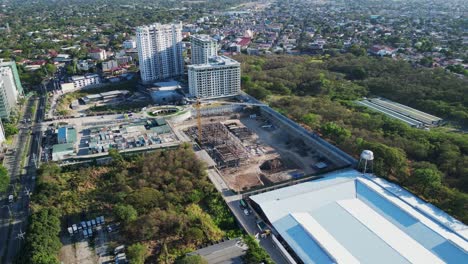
x=225 y=252
x=216 y=61
x=71 y=135
x=407 y=111
x=112 y=93
x=57 y=148
x=166 y=86
x=203 y=37
x=349 y=218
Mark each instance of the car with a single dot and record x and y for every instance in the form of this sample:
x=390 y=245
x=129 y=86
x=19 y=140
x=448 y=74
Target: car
x=119 y=249
x=10 y=198
x=246 y=212
x=113 y=227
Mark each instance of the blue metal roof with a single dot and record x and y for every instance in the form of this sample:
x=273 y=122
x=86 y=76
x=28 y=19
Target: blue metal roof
x=62 y=133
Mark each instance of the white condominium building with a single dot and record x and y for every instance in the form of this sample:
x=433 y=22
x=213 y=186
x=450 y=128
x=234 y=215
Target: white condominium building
x=203 y=47
x=2 y=133
x=220 y=77
x=8 y=92
x=160 y=51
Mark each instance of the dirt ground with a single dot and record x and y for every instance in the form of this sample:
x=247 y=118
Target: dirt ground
x=81 y=251
x=77 y=253
x=266 y=143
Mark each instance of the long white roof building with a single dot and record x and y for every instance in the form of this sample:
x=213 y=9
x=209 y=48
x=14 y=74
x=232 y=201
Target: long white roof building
x=349 y=218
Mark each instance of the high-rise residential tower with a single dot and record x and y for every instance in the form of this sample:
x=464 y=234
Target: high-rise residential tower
x=220 y=77
x=10 y=88
x=203 y=47
x=160 y=51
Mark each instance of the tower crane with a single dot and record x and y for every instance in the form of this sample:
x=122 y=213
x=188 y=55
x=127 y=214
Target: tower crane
x=198 y=103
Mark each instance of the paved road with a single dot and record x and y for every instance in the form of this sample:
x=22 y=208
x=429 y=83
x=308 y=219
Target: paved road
x=10 y=243
x=248 y=222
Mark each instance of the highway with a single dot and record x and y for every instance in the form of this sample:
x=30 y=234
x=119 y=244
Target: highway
x=12 y=225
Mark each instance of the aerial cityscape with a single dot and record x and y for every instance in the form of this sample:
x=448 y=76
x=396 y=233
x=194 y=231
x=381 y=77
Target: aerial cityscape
x=233 y=131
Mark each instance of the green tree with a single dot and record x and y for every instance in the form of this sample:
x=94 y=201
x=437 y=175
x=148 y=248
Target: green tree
x=50 y=68
x=311 y=119
x=4 y=179
x=10 y=129
x=258 y=92
x=193 y=259
x=125 y=213
x=426 y=178
x=255 y=253
x=137 y=253
x=42 y=241
x=357 y=50
x=335 y=132
x=194 y=234
x=116 y=156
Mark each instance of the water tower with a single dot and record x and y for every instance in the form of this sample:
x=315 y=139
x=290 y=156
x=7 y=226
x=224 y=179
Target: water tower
x=367 y=158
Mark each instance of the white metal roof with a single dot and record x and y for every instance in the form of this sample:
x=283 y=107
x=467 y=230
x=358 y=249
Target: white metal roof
x=397 y=239
x=326 y=241
x=371 y=219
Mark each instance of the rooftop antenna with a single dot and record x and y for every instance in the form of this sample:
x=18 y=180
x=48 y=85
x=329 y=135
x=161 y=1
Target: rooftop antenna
x=367 y=158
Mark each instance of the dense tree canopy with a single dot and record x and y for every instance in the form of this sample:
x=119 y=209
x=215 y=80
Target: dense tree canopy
x=4 y=179
x=163 y=200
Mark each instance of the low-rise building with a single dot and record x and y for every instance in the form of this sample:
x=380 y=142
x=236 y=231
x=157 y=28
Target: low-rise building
x=166 y=92
x=85 y=80
x=98 y=54
x=61 y=151
x=129 y=44
x=66 y=135
x=109 y=65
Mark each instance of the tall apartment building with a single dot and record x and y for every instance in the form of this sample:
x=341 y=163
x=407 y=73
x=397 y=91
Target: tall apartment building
x=2 y=133
x=203 y=47
x=10 y=88
x=160 y=51
x=220 y=77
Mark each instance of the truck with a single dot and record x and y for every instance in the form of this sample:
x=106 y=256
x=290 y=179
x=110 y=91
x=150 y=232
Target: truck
x=243 y=204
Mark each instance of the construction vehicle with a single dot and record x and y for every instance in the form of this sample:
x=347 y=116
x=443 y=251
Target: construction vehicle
x=198 y=102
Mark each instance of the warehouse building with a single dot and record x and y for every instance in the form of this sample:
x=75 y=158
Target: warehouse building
x=346 y=217
x=61 y=151
x=411 y=116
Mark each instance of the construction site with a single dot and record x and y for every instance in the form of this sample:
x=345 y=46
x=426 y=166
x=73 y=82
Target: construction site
x=251 y=148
